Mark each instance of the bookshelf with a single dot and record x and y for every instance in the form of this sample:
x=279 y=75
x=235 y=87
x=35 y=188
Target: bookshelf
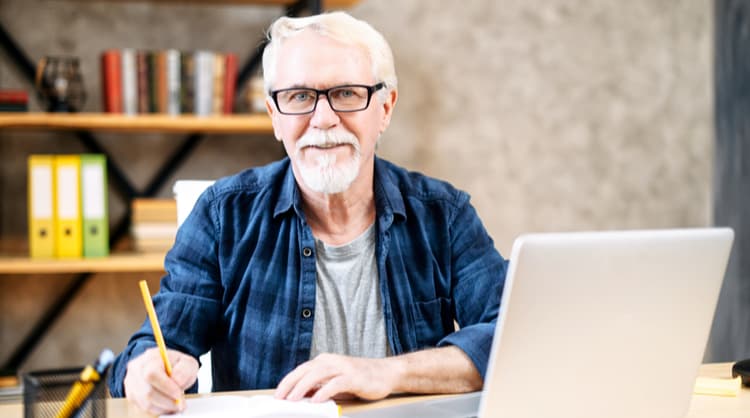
x=115 y=263
x=14 y=259
x=224 y=124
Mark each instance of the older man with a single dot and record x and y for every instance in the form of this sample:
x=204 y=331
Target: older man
x=331 y=272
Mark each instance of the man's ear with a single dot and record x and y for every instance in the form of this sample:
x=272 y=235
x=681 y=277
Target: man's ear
x=271 y=109
x=388 y=105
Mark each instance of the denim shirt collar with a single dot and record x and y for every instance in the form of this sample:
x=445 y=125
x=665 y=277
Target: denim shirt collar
x=388 y=198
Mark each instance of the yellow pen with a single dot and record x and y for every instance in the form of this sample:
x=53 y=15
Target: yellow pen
x=86 y=383
x=155 y=326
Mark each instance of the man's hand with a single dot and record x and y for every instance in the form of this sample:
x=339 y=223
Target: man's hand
x=437 y=370
x=328 y=375
x=148 y=386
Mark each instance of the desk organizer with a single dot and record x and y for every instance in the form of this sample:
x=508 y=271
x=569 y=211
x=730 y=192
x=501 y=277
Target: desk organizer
x=44 y=393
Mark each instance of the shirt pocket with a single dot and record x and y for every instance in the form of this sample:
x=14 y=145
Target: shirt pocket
x=433 y=320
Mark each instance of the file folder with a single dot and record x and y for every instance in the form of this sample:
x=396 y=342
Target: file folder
x=68 y=239
x=94 y=205
x=41 y=206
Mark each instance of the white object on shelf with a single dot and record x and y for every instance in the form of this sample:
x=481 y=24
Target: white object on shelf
x=186 y=193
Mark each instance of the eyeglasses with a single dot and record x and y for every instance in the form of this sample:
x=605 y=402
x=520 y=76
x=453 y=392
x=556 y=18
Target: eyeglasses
x=346 y=98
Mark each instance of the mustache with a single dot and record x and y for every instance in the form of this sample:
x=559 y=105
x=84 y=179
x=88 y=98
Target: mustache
x=321 y=138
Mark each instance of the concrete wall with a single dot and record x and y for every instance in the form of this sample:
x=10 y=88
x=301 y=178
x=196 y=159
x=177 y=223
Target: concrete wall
x=555 y=115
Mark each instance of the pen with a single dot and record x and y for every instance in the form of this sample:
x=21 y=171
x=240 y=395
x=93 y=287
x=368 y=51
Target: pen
x=85 y=384
x=155 y=326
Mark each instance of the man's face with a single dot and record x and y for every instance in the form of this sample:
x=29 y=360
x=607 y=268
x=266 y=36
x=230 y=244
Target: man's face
x=329 y=150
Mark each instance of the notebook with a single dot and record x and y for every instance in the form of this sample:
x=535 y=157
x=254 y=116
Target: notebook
x=597 y=324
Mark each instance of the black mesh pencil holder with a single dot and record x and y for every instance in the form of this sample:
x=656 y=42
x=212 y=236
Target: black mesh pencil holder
x=45 y=392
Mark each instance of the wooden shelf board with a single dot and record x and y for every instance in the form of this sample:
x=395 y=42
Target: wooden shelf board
x=259 y=124
x=327 y=4
x=120 y=262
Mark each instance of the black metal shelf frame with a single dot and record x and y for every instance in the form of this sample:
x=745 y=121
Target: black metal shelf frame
x=118 y=180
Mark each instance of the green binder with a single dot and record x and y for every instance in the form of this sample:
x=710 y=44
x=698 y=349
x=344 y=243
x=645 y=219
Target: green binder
x=94 y=205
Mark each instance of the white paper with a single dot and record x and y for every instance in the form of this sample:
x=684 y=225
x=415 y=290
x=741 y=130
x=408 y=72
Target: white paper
x=259 y=406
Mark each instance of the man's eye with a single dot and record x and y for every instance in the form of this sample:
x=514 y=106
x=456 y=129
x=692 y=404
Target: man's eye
x=344 y=93
x=301 y=96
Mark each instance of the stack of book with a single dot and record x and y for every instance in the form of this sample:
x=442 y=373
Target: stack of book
x=153 y=224
x=169 y=82
x=67 y=204
x=12 y=100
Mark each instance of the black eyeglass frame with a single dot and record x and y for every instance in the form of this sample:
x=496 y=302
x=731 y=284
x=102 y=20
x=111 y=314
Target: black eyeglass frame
x=370 y=91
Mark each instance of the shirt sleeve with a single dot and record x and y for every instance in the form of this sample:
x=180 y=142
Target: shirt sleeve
x=188 y=303
x=478 y=274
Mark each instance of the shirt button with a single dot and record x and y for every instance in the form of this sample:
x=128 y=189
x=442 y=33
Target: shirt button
x=306 y=313
x=307 y=252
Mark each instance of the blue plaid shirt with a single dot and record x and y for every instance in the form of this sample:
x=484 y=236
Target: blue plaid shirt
x=241 y=276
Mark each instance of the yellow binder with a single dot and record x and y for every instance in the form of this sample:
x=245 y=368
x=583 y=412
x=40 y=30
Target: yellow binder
x=41 y=198
x=68 y=233
x=94 y=205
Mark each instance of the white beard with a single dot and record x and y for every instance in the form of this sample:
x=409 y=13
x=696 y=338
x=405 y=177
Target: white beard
x=324 y=175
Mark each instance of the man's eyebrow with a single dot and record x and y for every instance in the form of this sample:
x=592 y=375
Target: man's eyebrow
x=295 y=86
x=304 y=86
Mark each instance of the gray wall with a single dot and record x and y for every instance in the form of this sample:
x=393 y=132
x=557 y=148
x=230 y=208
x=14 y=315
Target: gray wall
x=555 y=115
x=730 y=336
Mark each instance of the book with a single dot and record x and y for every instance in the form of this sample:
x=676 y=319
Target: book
x=217 y=92
x=204 y=82
x=142 y=81
x=161 y=88
x=230 y=82
x=112 y=81
x=231 y=406
x=154 y=230
x=187 y=82
x=14 y=96
x=152 y=245
x=129 y=82
x=12 y=100
x=153 y=210
x=153 y=80
x=14 y=107
x=173 y=81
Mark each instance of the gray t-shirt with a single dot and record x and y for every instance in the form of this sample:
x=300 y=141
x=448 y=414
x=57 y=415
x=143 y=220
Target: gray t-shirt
x=348 y=309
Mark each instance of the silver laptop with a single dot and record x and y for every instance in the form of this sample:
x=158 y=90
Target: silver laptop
x=597 y=324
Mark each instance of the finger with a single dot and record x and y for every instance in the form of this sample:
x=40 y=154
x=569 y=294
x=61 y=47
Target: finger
x=335 y=386
x=148 y=386
x=157 y=410
x=185 y=371
x=156 y=377
x=150 y=400
x=290 y=380
x=161 y=401
x=311 y=381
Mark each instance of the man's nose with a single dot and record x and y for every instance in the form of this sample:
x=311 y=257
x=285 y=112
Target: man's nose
x=324 y=116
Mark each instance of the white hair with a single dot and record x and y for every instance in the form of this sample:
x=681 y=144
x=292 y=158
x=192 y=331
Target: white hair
x=339 y=26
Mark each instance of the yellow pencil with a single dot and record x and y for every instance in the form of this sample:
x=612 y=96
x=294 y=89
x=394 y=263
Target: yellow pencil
x=155 y=326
